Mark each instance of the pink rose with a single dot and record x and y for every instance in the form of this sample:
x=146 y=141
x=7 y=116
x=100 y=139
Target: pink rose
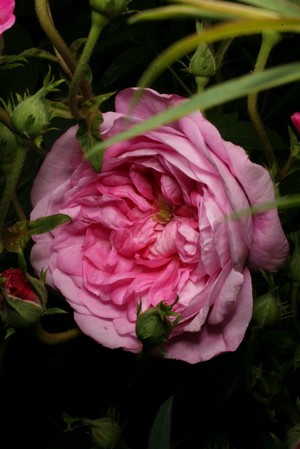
x=7 y=18
x=296 y=120
x=151 y=227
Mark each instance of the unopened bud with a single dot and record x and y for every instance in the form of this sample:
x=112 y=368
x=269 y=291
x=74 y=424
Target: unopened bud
x=106 y=433
x=109 y=8
x=203 y=62
x=154 y=326
x=267 y=310
x=32 y=115
x=296 y=120
x=293 y=437
x=22 y=298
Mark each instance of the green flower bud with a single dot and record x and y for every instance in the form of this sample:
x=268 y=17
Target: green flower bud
x=22 y=298
x=293 y=437
x=202 y=63
x=267 y=310
x=109 y=8
x=32 y=115
x=154 y=326
x=105 y=432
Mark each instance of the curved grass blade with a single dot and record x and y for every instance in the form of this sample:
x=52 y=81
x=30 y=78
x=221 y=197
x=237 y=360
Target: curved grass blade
x=215 y=10
x=212 y=96
x=217 y=32
x=283 y=7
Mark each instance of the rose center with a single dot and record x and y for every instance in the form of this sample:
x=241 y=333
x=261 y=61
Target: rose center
x=164 y=213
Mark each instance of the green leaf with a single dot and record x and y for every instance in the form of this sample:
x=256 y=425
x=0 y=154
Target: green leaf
x=202 y=9
x=88 y=133
x=88 y=136
x=46 y=224
x=38 y=53
x=16 y=236
x=161 y=429
x=211 y=97
x=283 y=6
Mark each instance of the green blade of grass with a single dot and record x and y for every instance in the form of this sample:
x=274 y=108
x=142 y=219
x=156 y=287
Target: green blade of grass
x=211 y=97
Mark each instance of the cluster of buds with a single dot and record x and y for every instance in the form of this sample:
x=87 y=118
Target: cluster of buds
x=22 y=298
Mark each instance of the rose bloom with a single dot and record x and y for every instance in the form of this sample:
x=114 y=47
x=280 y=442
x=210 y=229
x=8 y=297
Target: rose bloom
x=152 y=227
x=296 y=120
x=7 y=18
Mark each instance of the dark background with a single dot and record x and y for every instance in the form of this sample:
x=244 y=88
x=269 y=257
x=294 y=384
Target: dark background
x=214 y=405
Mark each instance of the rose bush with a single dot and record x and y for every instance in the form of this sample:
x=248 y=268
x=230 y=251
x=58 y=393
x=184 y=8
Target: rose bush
x=7 y=18
x=151 y=227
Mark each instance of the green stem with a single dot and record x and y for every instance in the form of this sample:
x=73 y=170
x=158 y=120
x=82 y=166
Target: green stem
x=18 y=208
x=54 y=338
x=5 y=118
x=269 y=40
x=98 y=23
x=44 y=16
x=12 y=181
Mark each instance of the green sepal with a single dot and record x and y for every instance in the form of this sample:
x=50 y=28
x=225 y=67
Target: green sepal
x=153 y=326
x=88 y=133
x=17 y=236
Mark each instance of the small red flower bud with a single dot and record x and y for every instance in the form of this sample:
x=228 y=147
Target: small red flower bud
x=22 y=298
x=296 y=120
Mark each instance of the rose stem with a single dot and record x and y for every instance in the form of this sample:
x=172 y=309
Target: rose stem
x=53 y=338
x=98 y=23
x=269 y=40
x=5 y=118
x=12 y=180
x=44 y=16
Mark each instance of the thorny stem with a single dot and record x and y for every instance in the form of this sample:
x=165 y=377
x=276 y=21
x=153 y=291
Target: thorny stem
x=269 y=40
x=98 y=23
x=44 y=16
x=12 y=181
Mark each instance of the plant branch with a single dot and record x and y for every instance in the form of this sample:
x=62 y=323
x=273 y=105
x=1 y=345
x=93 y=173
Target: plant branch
x=98 y=23
x=269 y=40
x=66 y=57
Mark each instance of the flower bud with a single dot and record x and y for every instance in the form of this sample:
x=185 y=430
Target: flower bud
x=154 y=326
x=105 y=432
x=267 y=310
x=22 y=298
x=203 y=62
x=296 y=120
x=293 y=437
x=32 y=115
x=109 y=8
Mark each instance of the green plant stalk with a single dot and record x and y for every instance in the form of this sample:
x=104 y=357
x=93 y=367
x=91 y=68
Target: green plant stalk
x=5 y=118
x=12 y=181
x=66 y=57
x=98 y=23
x=54 y=338
x=269 y=40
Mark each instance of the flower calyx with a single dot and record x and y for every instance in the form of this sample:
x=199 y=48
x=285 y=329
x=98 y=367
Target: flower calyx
x=109 y=8
x=33 y=113
x=154 y=326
